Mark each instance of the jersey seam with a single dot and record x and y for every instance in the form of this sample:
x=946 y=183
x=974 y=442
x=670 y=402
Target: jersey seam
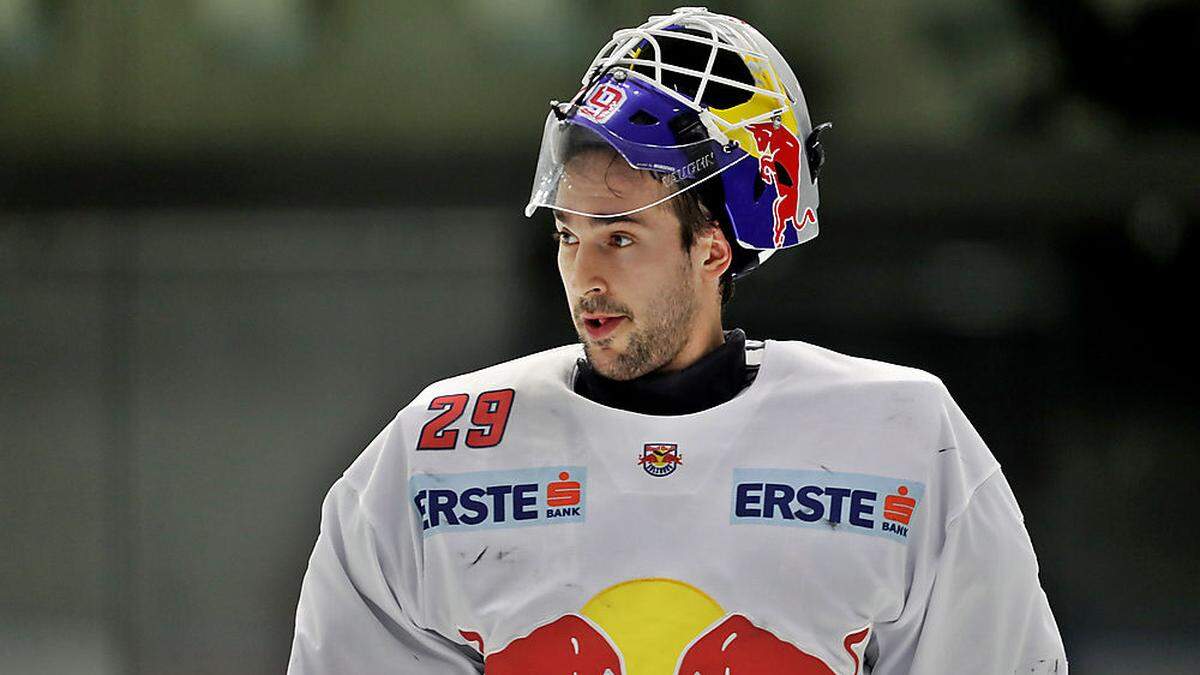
x=370 y=522
x=396 y=425
x=971 y=497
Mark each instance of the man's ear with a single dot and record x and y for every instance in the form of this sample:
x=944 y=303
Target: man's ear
x=716 y=250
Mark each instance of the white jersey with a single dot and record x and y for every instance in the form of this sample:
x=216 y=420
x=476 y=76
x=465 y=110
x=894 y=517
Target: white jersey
x=839 y=515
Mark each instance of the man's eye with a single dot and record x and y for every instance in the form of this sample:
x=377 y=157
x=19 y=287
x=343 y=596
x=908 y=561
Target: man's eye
x=563 y=237
x=622 y=240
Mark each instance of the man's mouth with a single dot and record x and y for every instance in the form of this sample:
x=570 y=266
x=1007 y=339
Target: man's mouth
x=600 y=327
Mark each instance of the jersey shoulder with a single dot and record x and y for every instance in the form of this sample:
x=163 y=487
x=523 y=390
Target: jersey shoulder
x=871 y=394
x=538 y=373
x=804 y=363
x=388 y=458
x=892 y=401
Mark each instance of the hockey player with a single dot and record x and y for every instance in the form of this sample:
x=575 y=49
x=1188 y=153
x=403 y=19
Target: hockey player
x=670 y=497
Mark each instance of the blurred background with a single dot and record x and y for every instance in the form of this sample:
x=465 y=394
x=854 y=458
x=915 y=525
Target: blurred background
x=237 y=235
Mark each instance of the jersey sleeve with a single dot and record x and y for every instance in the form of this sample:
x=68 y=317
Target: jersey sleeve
x=358 y=608
x=976 y=604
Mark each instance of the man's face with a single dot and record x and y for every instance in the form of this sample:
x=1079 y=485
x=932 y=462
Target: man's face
x=631 y=287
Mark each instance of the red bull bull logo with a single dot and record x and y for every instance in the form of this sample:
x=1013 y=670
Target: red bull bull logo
x=661 y=626
x=779 y=166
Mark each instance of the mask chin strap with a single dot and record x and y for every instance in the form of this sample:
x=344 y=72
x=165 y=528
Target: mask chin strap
x=814 y=150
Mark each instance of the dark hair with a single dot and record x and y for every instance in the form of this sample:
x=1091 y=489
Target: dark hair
x=695 y=218
x=703 y=206
x=695 y=207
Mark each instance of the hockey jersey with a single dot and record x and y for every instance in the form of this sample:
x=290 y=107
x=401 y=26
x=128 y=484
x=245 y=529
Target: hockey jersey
x=839 y=515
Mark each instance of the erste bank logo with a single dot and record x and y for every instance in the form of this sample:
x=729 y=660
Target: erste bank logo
x=842 y=502
x=493 y=499
x=660 y=459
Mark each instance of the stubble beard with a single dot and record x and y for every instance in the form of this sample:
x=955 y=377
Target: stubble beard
x=663 y=333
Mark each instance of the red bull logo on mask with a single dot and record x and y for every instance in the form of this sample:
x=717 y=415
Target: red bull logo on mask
x=660 y=626
x=779 y=166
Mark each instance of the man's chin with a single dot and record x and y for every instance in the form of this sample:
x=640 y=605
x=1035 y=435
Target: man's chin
x=599 y=353
x=603 y=358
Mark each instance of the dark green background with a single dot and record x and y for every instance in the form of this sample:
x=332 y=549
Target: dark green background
x=237 y=235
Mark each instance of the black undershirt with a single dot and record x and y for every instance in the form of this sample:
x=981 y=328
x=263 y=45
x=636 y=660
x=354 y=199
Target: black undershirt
x=714 y=379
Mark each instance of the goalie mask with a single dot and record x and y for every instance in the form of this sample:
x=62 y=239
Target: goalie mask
x=706 y=103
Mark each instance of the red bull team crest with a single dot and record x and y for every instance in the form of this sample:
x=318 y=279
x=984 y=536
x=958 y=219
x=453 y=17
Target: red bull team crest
x=660 y=459
x=659 y=626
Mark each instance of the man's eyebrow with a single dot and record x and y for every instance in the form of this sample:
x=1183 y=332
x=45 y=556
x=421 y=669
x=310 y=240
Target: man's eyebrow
x=603 y=221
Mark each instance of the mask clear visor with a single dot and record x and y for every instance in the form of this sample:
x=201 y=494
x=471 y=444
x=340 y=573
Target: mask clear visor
x=588 y=170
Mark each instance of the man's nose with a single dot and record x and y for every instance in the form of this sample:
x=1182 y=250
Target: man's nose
x=590 y=270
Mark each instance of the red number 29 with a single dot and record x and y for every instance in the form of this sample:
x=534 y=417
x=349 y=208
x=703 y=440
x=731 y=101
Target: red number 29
x=490 y=416
x=604 y=100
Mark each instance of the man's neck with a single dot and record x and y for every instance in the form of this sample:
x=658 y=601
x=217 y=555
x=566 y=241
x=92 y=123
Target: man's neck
x=711 y=380
x=700 y=344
